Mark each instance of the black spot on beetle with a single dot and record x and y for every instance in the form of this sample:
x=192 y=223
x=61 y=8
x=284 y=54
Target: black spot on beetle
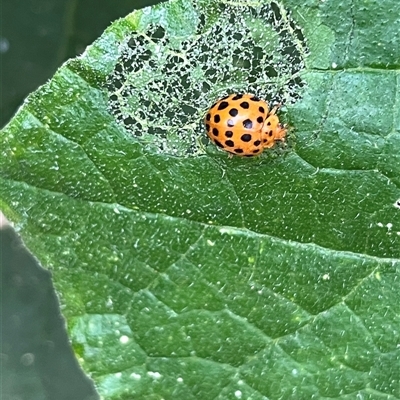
x=261 y=109
x=217 y=118
x=248 y=124
x=260 y=120
x=246 y=137
x=229 y=143
x=218 y=143
x=208 y=117
x=245 y=105
x=233 y=112
x=223 y=105
x=254 y=98
x=215 y=132
x=228 y=134
x=238 y=151
x=237 y=97
x=207 y=127
x=257 y=143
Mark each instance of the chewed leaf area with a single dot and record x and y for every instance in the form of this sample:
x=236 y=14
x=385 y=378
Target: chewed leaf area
x=163 y=84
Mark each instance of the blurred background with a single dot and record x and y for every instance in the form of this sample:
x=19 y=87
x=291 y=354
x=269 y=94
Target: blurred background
x=36 y=37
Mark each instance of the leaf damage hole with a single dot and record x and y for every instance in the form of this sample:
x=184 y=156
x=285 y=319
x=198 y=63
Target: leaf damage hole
x=161 y=87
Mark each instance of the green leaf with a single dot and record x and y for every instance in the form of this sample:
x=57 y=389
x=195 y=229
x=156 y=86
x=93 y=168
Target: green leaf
x=184 y=274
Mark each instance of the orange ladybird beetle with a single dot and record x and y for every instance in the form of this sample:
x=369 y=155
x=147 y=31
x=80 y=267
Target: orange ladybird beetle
x=242 y=124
